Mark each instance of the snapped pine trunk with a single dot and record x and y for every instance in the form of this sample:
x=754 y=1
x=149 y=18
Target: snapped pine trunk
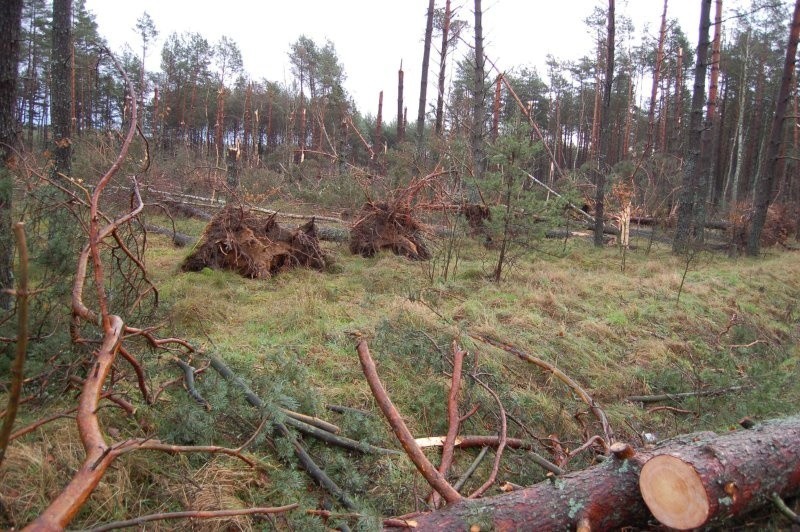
x=687 y=482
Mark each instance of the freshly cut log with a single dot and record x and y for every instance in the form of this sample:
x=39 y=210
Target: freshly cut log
x=704 y=482
x=687 y=482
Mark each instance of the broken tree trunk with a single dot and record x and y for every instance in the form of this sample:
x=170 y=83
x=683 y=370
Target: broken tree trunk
x=736 y=472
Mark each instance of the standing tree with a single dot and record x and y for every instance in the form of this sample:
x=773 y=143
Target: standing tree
x=769 y=166
x=423 y=84
x=146 y=29
x=605 y=130
x=442 y=67
x=706 y=138
x=479 y=100
x=61 y=108
x=401 y=126
x=10 y=16
x=651 y=113
x=691 y=168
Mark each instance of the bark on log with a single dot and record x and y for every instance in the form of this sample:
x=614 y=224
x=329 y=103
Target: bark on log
x=607 y=495
x=703 y=483
x=738 y=471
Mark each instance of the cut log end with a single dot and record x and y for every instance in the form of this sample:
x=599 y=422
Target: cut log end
x=674 y=493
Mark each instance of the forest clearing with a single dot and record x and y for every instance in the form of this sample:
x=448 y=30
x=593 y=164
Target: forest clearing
x=231 y=304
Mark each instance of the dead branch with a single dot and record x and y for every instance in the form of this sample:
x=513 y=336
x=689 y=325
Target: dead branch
x=155 y=445
x=179 y=239
x=448 y=445
x=193 y=514
x=682 y=395
x=188 y=379
x=301 y=426
x=471 y=469
x=140 y=266
x=18 y=366
x=431 y=474
x=499 y=452
x=313 y=421
x=137 y=368
x=314 y=471
x=669 y=409
x=780 y=504
x=560 y=375
x=98 y=458
x=39 y=422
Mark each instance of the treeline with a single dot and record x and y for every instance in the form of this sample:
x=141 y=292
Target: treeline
x=202 y=99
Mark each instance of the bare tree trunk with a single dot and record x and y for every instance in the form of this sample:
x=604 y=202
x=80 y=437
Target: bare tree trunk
x=605 y=122
x=247 y=121
x=737 y=174
x=61 y=106
x=218 y=126
x=496 y=108
x=401 y=124
x=155 y=123
x=707 y=137
x=651 y=113
x=10 y=17
x=767 y=178
x=594 y=143
x=379 y=125
x=678 y=130
x=479 y=98
x=423 y=85
x=715 y=110
x=626 y=138
x=442 y=67
x=691 y=168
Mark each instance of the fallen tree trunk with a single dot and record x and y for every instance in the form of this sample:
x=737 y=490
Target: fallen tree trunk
x=705 y=482
x=179 y=239
x=735 y=473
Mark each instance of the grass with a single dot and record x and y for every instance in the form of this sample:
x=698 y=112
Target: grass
x=292 y=338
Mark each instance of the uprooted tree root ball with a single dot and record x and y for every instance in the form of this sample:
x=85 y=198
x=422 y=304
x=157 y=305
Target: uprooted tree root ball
x=255 y=245
x=384 y=226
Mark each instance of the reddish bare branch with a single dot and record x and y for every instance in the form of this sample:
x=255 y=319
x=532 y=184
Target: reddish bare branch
x=39 y=422
x=454 y=420
x=560 y=375
x=18 y=366
x=193 y=514
x=503 y=434
x=431 y=475
x=64 y=507
x=156 y=445
x=452 y=410
x=137 y=368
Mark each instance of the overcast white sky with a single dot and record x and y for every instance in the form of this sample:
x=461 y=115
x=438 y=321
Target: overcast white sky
x=373 y=36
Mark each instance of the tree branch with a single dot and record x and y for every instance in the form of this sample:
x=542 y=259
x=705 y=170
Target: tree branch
x=431 y=474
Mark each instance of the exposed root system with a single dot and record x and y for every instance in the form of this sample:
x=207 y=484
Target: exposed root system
x=254 y=245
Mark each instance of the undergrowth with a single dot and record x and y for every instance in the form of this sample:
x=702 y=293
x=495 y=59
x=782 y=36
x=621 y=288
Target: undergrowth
x=292 y=339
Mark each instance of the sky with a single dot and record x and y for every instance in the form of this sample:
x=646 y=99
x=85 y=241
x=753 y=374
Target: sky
x=372 y=37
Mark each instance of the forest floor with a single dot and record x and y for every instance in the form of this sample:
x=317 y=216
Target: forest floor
x=646 y=323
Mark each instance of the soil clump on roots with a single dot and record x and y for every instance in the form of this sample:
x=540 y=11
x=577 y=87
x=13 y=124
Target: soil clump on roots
x=381 y=225
x=255 y=245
